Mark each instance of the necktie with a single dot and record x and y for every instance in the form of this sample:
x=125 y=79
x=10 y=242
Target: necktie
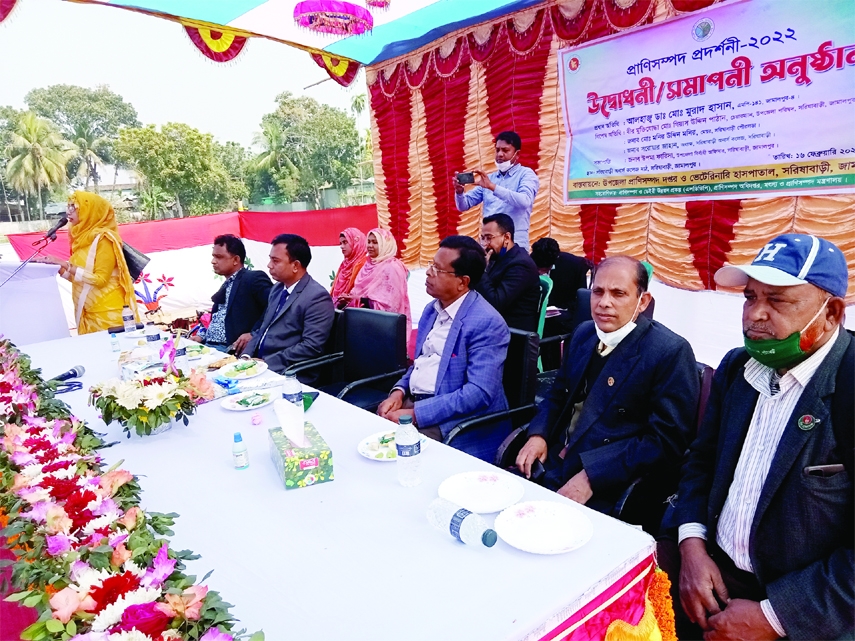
x=282 y=298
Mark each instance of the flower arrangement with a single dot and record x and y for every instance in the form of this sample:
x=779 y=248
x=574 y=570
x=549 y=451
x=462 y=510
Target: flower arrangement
x=147 y=404
x=144 y=404
x=94 y=565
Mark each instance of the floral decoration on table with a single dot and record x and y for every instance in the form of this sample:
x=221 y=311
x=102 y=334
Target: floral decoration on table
x=93 y=564
x=149 y=403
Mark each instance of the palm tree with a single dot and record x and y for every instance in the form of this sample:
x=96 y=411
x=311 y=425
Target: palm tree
x=273 y=143
x=357 y=104
x=38 y=156
x=89 y=151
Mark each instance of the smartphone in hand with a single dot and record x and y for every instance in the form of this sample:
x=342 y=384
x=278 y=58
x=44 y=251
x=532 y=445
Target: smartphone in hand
x=466 y=178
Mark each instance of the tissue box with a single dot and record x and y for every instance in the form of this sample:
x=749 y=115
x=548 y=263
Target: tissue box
x=301 y=466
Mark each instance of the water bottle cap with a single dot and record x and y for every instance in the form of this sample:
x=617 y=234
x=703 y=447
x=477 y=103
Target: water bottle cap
x=489 y=538
x=405 y=419
x=238 y=437
x=112 y=336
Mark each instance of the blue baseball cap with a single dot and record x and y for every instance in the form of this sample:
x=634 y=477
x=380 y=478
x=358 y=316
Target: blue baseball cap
x=793 y=259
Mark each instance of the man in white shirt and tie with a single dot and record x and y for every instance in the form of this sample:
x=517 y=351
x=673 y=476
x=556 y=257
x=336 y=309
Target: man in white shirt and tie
x=460 y=355
x=765 y=505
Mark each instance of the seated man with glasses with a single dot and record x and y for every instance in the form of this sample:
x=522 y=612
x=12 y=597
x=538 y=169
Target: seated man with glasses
x=460 y=355
x=511 y=282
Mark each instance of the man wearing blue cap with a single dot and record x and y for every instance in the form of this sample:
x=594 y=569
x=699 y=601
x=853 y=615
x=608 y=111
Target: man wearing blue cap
x=765 y=507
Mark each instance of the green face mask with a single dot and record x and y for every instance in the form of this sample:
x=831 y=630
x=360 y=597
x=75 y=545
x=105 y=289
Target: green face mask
x=779 y=353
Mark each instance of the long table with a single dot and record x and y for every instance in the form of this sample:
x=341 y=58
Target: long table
x=354 y=558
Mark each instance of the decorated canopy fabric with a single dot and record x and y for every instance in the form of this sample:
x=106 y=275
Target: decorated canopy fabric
x=403 y=26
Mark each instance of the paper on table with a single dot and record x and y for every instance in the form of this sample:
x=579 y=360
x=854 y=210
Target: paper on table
x=291 y=421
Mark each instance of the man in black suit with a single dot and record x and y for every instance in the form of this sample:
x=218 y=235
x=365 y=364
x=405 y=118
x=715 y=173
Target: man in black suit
x=240 y=302
x=299 y=314
x=511 y=283
x=623 y=403
x=765 y=505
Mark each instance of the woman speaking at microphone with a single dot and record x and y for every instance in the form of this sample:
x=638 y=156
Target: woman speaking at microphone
x=100 y=282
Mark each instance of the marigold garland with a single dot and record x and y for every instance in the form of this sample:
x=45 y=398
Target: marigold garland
x=659 y=595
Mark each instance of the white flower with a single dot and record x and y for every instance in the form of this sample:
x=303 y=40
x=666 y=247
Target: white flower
x=129 y=395
x=133 y=568
x=112 y=614
x=88 y=578
x=101 y=521
x=132 y=635
x=169 y=635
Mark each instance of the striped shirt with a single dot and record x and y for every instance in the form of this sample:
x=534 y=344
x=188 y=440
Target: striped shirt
x=777 y=399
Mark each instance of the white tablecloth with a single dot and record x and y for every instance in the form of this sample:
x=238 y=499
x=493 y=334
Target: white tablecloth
x=30 y=305
x=351 y=559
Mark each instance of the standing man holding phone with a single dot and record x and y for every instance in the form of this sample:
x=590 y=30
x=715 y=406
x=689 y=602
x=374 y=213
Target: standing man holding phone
x=510 y=190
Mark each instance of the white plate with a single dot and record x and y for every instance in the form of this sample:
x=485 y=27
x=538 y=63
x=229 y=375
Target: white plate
x=260 y=368
x=231 y=402
x=364 y=447
x=482 y=492
x=544 y=527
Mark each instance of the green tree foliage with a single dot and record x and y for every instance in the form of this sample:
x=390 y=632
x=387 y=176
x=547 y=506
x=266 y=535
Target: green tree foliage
x=306 y=146
x=181 y=161
x=99 y=111
x=8 y=122
x=90 y=151
x=38 y=156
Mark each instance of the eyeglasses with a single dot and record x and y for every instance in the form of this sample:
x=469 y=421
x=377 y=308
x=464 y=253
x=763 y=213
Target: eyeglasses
x=432 y=268
x=487 y=238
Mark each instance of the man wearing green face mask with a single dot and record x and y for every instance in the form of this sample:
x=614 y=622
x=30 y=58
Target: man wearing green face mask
x=765 y=507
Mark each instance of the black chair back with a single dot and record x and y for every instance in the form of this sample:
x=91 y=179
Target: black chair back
x=582 y=312
x=375 y=342
x=520 y=374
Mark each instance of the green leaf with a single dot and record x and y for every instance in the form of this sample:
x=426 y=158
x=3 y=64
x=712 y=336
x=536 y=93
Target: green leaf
x=258 y=636
x=34 y=632
x=33 y=600
x=18 y=596
x=54 y=626
x=71 y=628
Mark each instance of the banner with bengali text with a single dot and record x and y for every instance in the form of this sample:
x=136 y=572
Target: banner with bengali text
x=748 y=98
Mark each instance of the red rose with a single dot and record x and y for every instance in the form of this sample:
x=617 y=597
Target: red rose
x=145 y=617
x=112 y=588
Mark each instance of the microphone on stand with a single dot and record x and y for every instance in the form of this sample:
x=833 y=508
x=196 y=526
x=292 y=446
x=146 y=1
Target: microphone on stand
x=75 y=372
x=51 y=233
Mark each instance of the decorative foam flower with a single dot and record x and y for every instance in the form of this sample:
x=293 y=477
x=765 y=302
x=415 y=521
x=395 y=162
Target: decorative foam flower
x=58 y=544
x=57 y=520
x=112 y=481
x=67 y=602
x=162 y=567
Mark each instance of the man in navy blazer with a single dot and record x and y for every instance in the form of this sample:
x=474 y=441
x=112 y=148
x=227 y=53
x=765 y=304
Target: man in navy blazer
x=241 y=301
x=765 y=505
x=624 y=402
x=460 y=355
x=299 y=314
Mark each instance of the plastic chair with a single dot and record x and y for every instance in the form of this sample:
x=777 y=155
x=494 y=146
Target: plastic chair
x=545 y=291
x=373 y=357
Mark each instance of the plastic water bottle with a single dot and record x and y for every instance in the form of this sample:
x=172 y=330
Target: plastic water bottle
x=409 y=446
x=114 y=343
x=128 y=319
x=152 y=334
x=463 y=525
x=181 y=362
x=239 y=453
x=292 y=390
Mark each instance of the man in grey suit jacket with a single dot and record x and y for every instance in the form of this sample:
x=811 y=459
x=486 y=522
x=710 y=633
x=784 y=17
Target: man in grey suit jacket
x=765 y=506
x=299 y=314
x=460 y=355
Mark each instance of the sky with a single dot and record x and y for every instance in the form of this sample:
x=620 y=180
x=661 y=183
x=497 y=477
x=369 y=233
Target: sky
x=153 y=65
